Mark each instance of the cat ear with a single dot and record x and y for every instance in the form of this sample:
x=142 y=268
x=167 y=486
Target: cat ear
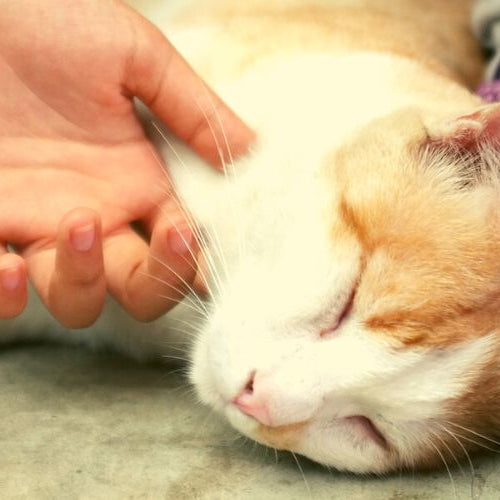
x=471 y=143
x=468 y=133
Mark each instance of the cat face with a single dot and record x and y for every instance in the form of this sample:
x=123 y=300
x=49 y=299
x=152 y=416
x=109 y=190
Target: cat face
x=356 y=301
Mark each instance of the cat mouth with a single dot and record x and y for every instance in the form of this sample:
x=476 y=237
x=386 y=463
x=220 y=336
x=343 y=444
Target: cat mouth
x=361 y=424
x=368 y=429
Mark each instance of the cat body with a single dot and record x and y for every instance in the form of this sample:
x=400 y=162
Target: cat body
x=353 y=252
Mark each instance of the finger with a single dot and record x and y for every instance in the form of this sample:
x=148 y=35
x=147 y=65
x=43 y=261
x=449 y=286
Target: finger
x=200 y=283
x=162 y=78
x=172 y=211
x=70 y=279
x=148 y=281
x=13 y=284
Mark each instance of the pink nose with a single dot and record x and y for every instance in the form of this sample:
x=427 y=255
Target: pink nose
x=249 y=402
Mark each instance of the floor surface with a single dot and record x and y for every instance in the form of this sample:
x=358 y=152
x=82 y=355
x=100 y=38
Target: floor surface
x=75 y=424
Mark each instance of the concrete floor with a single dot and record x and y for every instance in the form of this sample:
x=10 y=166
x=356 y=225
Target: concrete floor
x=75 y=424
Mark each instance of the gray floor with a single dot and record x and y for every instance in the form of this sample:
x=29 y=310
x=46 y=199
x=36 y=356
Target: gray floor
x=74 y=424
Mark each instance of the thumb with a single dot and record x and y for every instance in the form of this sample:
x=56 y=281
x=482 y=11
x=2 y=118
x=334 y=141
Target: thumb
x=165 y=82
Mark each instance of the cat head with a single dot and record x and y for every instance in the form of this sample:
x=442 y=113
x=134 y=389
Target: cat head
x=356 y=302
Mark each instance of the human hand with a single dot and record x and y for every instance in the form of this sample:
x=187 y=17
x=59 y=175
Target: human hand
x=70 y=137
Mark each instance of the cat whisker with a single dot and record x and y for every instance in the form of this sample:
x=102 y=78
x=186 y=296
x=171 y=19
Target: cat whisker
x=236 y=226
x=450 y=451
x=466 y=454
x=174 y=372
x=216 y=114
x=192 y=296
x=171 y=347
x=194 y=228
x=473 y=441
x=177 y=358
x=454 y=486
x=203 y=245
x=190 y=300
x=224 y=167
x=192 y=306
x=192 y=225
x=473 y=432
x=167 y=188
x=301 y=472
x=193 y=327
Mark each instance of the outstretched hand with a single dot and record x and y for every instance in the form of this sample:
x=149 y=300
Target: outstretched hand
x=70 y=138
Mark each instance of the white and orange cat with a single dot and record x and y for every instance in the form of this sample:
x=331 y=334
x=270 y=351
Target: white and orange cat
x=355 y=251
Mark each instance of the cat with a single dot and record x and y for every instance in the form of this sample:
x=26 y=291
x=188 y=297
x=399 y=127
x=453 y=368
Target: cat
x=354 y=253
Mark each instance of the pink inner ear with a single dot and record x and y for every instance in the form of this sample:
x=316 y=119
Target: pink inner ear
x=488 y=124
x=469 y=131
x=492 y=128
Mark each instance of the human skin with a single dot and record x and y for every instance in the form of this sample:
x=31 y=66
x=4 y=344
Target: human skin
x=77 y=168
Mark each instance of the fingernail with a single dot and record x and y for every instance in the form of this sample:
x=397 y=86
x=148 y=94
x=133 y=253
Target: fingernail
x=82 y=238
x=10 y=279
x=180 y=239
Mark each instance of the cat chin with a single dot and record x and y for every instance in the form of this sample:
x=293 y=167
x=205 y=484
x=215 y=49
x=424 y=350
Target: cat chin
x=353 y=446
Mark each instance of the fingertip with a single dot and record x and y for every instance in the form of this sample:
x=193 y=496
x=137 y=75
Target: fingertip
x=148 y=280
x=77 y=288
x=82 y=237
x=221 y=137
x=79 y=229
x=174 y=252
x=12 y=272
x=180 y=240
x=13 y=285
x=166 y=83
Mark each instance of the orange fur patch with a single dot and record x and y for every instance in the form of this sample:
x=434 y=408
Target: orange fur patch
x=432 y=271
x=402 y=27
x=284 y=437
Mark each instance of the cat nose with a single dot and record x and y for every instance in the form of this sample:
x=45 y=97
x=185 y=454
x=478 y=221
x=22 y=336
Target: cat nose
x=249 y=401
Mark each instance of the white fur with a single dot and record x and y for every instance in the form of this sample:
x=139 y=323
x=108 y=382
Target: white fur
x=280 y=277
x=289 y=280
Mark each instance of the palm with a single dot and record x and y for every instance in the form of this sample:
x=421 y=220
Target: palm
x=120 y=179
x=74 y=133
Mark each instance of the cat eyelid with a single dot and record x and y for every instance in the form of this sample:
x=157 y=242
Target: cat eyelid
x=344 y=313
